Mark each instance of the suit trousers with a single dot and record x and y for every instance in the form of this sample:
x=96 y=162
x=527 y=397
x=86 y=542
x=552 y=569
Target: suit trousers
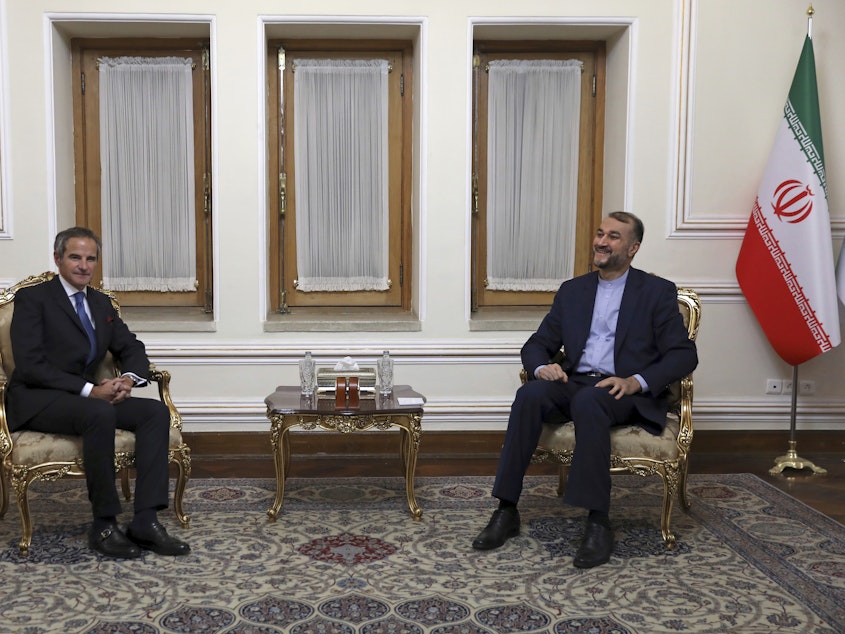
x=594 y=412
x=96 y=420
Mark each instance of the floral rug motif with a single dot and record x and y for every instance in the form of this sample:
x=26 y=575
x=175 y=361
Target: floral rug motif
x=345 y=556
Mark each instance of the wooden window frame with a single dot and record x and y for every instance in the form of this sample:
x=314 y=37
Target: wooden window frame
x=84 y=52
x=284 y=296
x=590 y=163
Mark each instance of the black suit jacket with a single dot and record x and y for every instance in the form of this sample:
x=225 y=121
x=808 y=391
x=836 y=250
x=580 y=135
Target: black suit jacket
x=651 y=339
x=50 y=347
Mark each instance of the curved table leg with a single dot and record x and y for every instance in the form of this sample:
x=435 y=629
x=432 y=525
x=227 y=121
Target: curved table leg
x=409 y=447
x=278 y=440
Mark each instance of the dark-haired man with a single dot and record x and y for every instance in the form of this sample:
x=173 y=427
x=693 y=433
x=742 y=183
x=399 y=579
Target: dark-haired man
x=61 y=330
x=625 y=342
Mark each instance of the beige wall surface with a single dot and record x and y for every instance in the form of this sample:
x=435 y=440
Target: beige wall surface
x=695 y=92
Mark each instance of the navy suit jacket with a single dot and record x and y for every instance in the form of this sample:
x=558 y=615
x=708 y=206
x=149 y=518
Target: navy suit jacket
x=651 y=339
x=50 y=347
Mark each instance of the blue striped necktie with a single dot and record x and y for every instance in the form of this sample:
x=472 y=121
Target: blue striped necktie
x=86 y=323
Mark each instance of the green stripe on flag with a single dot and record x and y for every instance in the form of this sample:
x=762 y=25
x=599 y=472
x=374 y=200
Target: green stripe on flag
x=804 y=96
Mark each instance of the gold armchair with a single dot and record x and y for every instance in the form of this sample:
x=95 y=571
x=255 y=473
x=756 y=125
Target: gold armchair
x=28 y=456
x=633 y=449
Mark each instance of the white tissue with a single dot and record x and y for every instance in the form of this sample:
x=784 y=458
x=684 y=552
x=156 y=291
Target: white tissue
x=346 y=364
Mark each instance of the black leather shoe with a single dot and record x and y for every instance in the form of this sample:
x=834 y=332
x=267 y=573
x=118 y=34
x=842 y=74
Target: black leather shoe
x=503 y=525
x=595 y=547
x=154 y=537
x=110 y=542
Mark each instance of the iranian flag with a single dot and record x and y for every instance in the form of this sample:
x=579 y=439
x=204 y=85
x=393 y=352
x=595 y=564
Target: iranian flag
x=785 y=265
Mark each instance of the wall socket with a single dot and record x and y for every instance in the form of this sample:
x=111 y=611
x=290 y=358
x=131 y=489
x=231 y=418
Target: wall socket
x=774 y=386
x=784 y=386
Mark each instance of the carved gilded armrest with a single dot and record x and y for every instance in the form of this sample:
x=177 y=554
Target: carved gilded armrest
x=5 y=435
x=685 y=431
x=162 y=379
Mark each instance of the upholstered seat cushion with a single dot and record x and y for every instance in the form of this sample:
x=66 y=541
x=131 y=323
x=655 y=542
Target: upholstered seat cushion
x=629 y=440
x=33 y=447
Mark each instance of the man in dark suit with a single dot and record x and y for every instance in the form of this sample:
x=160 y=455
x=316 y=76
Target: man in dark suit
x=61 y=330
x=625 y=343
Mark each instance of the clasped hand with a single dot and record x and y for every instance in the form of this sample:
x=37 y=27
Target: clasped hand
x=619 y=387
x=113 y=390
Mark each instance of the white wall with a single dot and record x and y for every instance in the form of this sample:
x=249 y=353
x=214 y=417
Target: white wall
x=702 y=86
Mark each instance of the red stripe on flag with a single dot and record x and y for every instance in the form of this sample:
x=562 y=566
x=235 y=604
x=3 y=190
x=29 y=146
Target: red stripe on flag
x=771 y=299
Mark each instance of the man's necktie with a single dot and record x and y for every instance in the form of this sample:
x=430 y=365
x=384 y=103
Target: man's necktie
x=86 y=323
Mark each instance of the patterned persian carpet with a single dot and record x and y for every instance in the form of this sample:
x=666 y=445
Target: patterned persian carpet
x=346 y=557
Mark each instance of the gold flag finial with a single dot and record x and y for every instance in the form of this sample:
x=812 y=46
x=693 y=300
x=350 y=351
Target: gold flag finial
x=810 y=13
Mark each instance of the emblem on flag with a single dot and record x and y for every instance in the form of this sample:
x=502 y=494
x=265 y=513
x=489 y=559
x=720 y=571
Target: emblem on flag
x=793 y=201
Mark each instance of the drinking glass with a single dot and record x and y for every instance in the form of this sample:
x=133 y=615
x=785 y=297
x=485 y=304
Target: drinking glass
x=385 y=375
x=307 y=375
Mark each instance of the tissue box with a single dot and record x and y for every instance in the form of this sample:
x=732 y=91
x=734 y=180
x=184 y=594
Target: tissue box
x=327 y=381
x=326 y=377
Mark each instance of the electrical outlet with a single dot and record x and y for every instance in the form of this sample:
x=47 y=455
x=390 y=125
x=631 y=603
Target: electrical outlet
x=807 y=388
x=787 y=386
x=774 y=386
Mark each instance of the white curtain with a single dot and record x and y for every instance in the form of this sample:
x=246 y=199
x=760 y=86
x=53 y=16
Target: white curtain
x=147 y=163
x=532 y=172
x=341 y=159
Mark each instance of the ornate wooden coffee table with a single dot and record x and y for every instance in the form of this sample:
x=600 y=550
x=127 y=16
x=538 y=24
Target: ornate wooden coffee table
x=287 y=408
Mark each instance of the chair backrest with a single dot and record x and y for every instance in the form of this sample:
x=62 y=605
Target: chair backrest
x=7 y=308
x=690 y=306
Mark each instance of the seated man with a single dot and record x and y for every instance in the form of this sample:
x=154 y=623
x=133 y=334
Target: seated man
x=60 y=332
x=625 y=343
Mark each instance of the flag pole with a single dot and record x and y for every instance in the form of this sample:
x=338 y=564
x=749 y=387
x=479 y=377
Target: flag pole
x=773 y=268
x=810 y=13
x=791 y=460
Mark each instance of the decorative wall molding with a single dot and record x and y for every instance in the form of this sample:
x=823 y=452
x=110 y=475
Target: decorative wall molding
x=5 y=170
x=768 y=413
x=277 y=353
x=716 y=292
x=491 y=414
x=429 y=352
x=684 y=223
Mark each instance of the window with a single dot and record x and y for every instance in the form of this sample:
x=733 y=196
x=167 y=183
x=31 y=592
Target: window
x=340 y=158
x=537 y=167
x=142 y=133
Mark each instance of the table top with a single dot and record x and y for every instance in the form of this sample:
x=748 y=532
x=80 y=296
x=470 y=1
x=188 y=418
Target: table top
x=287 y=399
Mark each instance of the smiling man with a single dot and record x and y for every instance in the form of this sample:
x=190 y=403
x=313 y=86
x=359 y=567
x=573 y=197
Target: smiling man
x=625 y=343
x=61 y=330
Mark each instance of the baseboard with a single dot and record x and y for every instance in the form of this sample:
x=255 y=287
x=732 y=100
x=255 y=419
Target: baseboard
x=482 y=444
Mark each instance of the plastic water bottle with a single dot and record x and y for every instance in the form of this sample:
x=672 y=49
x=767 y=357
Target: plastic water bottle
x=385 y=374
